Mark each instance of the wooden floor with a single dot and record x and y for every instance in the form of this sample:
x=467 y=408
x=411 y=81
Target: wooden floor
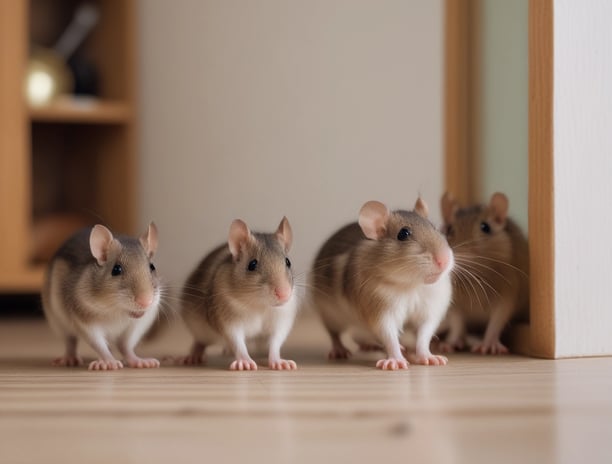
x=476 y=409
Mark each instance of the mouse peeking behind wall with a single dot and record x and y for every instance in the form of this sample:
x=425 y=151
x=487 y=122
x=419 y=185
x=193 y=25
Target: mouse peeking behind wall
x=242 y=290
x=103 y=289
x=490 y=280
x=376 y=275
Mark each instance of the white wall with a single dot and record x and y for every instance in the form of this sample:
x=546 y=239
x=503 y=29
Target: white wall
x=256 y=109
x=582 y=181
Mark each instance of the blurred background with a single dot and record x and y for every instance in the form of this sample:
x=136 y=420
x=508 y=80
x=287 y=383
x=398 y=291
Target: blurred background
x=194 y=113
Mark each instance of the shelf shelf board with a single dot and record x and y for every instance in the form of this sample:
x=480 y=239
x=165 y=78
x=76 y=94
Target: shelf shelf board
x=28 y=280
x=82 y=111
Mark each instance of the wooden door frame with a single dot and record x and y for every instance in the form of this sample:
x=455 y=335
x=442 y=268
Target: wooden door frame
x=462 y=151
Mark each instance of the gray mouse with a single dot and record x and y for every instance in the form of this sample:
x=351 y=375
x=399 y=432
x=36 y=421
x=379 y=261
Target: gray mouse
x=242 y=290
x=491 y=283
x=103 y=289
x=389 y=269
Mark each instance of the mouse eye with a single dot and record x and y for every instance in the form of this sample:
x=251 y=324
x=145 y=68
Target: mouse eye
x=288 y=263
x=485 y=227
x=449 y=230
x=117 y=270
x=404 y=234
x=152 y=267
x=252 y=265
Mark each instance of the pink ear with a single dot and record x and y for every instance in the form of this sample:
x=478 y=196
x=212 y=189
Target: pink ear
x=499 y=207
x=149 y=240
x=449 y=207
x=100 y=240
x=239 y=235
x=373 y=218
x=420 y=207
x=285 y=234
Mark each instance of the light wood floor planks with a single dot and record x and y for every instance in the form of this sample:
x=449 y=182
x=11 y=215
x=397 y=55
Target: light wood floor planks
x=476 y=409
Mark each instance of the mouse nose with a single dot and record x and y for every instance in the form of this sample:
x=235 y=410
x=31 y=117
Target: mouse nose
x=143 y=301
x=282 y=294
x=442 y=259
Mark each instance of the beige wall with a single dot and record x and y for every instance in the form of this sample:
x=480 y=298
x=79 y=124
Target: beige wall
x=256 y=109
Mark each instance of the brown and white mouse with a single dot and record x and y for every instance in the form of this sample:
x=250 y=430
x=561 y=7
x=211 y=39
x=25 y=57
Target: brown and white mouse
x=103 y=289
x=375 y=276
x=242 y=290
x=490 y=284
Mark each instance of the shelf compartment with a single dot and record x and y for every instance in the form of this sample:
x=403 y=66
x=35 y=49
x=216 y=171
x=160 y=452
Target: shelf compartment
x=85 y=111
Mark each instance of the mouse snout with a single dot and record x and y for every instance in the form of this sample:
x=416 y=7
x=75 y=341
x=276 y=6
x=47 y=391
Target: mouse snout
x=283 y=293
x=442 y=258
x=143 y=300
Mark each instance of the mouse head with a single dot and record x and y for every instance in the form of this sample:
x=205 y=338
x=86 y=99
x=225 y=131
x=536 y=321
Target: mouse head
x=262 y=266
x=124 y=274
x=478 y=229
x=408 y=246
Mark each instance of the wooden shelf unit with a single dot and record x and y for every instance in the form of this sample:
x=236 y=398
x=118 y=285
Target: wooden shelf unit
x=74 y=156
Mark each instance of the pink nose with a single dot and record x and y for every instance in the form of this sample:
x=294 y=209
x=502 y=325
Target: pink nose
x=143 y=301
x=282 y=293
x=442 y=260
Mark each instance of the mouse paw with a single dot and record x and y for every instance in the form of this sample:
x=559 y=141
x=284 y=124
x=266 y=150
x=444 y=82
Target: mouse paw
x=67 y=361
x=143 y=363
x=105 y=365
x=429 y=360
x=339 y=353
x=283 y=365
x=494 y=347
x=392 y=364
x=243 y=365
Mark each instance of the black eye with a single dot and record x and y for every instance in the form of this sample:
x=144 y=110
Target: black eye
x=117 y=270
x=403 y=234
x=152 y=267
x=288 y=263
x=485 y=227
x=449 y=230
x=252 y=265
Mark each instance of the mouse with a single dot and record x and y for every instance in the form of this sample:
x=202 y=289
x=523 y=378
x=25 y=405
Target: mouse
x=243 y=290
x=491 y=277
x=376 y=275
x=103 y=289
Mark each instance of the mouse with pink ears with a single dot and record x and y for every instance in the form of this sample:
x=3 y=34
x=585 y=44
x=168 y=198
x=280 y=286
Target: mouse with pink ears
x=491 y=283
x=389 y=269
x=243 y=290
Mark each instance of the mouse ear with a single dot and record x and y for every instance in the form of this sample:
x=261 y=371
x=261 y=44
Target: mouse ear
x=285 y=234
x=421 y=208
x=373 y=218
x=239 y=235
x=499 y=207
x=149 y=240
x=100 y=240
x=449 y=207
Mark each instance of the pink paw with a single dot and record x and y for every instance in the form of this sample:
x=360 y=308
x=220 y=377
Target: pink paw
x=283 y=365
x=339 y=353
x=102 y=365
x=140 y=363
x=429 y=360
x=243 y=365
x=494 y=347
x=67 y=361
x=392 y=364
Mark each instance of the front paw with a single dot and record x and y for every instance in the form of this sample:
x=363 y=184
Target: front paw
x=243 y=365
x=143 y=363
x=392 y=364
x=283 y=365
x=429 y=359
x=67 y=361
x=105 y=365
x=494 y=347
x=339 y=352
